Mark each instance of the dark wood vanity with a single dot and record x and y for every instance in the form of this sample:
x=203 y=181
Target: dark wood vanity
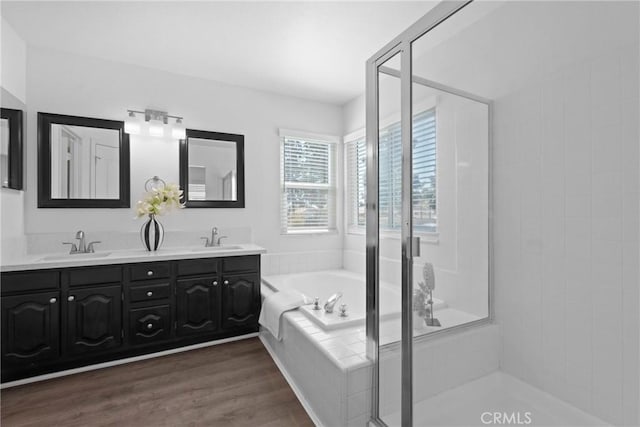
x=62 y=318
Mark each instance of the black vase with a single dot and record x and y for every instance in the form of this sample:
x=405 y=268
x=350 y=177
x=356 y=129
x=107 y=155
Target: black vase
x=152 y=233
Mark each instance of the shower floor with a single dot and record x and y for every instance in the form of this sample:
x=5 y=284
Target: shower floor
x=496 y=395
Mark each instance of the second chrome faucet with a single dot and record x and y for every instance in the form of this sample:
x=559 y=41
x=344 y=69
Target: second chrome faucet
x=215 y=239
x=81 y=247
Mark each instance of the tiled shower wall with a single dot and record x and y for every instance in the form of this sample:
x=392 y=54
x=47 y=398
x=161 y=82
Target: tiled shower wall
x=566 y=234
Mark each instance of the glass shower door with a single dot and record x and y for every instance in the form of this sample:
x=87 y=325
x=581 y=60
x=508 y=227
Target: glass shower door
x=386 y=239
x=427 y=217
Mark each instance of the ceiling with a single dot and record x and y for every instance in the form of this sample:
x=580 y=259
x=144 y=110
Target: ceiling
x=308 y=49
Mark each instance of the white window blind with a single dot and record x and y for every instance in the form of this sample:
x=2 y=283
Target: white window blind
x=308 y=178
x=390 y=176
x=356 y=153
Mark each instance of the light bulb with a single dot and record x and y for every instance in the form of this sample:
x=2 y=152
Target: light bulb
x=178 y=131
x=132 y=124
x=156 y=128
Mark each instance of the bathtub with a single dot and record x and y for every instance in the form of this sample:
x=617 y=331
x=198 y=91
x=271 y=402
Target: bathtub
x=323 y=284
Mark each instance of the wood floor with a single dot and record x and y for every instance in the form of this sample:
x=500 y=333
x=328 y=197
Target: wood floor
x=233 y=384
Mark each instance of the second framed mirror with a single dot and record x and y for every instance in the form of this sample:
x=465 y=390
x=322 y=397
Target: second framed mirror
x=212 y=169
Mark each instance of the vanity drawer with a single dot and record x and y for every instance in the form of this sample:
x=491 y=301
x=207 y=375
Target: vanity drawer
x=150 y=324
x=30 y=281
x=149 y=292
x=193 y=267
x=241 y=263
x=156 y=270
x=94 y=275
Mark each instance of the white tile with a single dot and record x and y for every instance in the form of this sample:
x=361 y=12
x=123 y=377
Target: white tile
x=353 y=362
x=607 y=148
x=578 y=238
x=578 y=205
x=359 y=347
x=359 y=380
x=358 y=404
x=630 y=217
x=360 y=421
x=629 y=72
x=340 y=352
x=578 y=181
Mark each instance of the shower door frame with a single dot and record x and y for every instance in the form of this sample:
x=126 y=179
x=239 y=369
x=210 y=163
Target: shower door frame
x=402 y=45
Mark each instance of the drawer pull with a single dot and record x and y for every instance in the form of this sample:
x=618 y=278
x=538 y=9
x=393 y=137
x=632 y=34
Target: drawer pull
x=226 y=282
x=149 y=325
x=71 y=298
x=215 y=283
x=53 y=300
x=149 y=294
x=150 y=273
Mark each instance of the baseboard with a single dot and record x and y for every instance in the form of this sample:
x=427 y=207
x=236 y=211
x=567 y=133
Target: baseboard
x=303 y=401
x=123 y=361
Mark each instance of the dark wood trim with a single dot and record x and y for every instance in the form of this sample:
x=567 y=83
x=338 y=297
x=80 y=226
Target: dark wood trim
x=15 y=146
x=45 y=120
x=184 y=169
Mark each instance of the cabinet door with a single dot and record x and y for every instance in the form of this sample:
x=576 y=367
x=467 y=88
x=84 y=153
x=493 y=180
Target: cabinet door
x=240 y=300
x=197 y=305
x=30 y=327
x=94 y=319
x=150 y=324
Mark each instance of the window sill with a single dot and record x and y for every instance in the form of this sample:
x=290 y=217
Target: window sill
x=309 y=233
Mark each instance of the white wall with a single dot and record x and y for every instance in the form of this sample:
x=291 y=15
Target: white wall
x=12 y=81
x=69 y=84
x=14 y=61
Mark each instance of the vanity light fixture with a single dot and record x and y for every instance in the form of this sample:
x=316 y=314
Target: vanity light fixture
x=156 y=123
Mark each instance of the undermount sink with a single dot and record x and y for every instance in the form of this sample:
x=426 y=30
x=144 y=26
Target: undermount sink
x=75 y=256
x=216 y=248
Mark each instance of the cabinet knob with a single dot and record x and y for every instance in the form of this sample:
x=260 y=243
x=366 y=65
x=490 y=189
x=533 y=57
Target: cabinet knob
x=149 y=294
x=71 y=298
x=215 y=283
x=150 y=273
x=149 y=325
x=53 y=300
x=226 y=282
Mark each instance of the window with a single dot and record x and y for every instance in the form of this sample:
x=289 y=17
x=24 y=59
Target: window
x=390 y=176
x=308 y=178
x=356 y=153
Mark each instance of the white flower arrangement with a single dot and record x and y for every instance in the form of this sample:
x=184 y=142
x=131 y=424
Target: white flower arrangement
x=158 y=201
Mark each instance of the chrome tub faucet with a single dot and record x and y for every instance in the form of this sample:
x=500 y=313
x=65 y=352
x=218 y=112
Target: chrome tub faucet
x=331 y=302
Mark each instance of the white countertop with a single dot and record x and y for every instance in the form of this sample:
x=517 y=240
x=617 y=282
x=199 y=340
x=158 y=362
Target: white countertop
x=62 y=260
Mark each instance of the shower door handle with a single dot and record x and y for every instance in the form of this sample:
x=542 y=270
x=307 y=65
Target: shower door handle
x=415 y=246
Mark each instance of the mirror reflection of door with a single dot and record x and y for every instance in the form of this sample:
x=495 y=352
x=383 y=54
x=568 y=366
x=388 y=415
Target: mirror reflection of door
x=212 y=170
x=105 y=175
x=4 y=152
x=84 y=162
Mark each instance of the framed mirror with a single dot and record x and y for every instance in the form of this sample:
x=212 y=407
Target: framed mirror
x=11 y=148
x=82 y=162
x=212 y=169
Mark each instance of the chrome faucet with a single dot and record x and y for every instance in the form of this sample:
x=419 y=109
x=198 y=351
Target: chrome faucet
x=82 y=247
x=213 y=241
x=331 y=302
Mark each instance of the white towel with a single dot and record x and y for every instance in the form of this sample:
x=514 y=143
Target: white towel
x=275 y=305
